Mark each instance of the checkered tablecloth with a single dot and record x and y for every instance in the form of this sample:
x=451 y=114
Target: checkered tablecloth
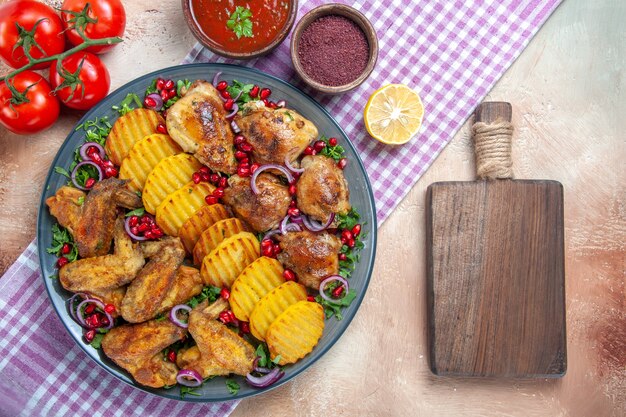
x=452 y=52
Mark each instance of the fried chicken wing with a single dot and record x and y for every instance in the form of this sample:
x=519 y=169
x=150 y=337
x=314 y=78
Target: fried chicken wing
x=197 y=122
x=151 y=286
x=113 y=297
x=137 y=348
x=220 y=348
x=261 y=211
x=275 y=134
x=67 y=205
x=322 y=188
x=312 y=256
x=187 y=283
x=107 y=272
x=205 y=365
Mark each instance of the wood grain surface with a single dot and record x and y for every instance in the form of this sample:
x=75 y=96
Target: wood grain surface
x=567 y=88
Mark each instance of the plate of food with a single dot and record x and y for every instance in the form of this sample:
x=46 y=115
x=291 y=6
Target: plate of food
x=206 y=232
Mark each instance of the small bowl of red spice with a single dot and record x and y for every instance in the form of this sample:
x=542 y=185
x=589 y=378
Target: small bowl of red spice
x=240 y=29
x=334 y=48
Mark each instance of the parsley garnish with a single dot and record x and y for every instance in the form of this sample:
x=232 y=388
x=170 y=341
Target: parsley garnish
x=62 y=171
x=126 y=104
x=239 y=87
x=137 y=212
x=336 y=152
x=264 y=357
x=240 y=22
x=97 y=340
x=286 y=113
x=233 y=386
x=182 y=86
x=188 y=391
x=349 y=220
x=96 y=130
x=331 y=309
x=61 y=236
x=209 y=292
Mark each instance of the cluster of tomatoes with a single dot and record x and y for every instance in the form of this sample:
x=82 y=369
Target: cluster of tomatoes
x=31 y=31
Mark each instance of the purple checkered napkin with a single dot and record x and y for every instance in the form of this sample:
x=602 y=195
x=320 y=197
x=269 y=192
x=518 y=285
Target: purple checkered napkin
x=43 y=371
x=451 y=51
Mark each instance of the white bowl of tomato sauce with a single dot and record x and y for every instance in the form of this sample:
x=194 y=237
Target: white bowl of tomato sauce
x=240 y=30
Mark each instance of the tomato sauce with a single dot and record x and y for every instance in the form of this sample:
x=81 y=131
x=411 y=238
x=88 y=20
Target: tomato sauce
x=268 y=18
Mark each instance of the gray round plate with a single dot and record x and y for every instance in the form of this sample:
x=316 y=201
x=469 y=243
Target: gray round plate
x=361 y=198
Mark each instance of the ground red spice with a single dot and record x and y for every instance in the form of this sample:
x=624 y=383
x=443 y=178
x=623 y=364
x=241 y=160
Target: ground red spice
x=333 y=50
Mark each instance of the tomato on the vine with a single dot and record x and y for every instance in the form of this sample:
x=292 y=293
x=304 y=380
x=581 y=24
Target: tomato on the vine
x=84 y=80
x=30 y=107
x=45 y=40
x=104 y=19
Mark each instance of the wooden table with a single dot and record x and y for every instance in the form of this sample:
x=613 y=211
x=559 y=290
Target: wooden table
x=567 y=91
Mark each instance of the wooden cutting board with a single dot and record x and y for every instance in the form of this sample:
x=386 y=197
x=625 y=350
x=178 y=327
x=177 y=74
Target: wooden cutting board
x=495 y=262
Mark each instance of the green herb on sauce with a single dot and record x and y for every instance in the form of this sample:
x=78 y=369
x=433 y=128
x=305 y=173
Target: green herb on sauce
x=240 y=22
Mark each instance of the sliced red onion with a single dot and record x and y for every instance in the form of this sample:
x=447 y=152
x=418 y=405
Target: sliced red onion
x=189 y=378
x=174 y=315
x=262 y=168
x=70 y=304
x=233 y=112
x=131 y=234
x=100 y=305
x=271 y=233
x=85 y=147
x=235 y=127
x=291 y=167
x=259 y=369
x=281 y=104
x=329 y=279
x=77 y=167
x=292 y=227
x=315 y=226
x=265 y=380
x=157 y=100
x=297 y=219
x=216 y=78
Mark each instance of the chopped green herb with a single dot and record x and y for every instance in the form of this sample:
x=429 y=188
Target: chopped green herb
x=137 y=212
x=336 y=152
x=331 y=309
x=80 y=200
x=349 y=220
x=209 y=292
x=160 y=317
x=188 y=391
x=233 y=386
x=62 y=171
x=182 y=86
x=61 y=236
x=238 y=87
x=85 y=172
x=152 y=88
x=127 y=104
x=97 y=340
x=240 y=22
x=291 y=119
x=96 y=130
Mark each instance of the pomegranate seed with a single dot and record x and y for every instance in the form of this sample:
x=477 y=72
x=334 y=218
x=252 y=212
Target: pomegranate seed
x=292 y=203
x=239 y=139
x=337 y=291
x=171 y=356
x=243 y=171
x=214 y=178
x=292 y=189
x=171 y=94
x=310 y=298
x=244 y=327
x=346 y=234
x=134 y=230
x=319 y=145
x=169 y=84
x=148 y=234
x=66 y=248
x=210 y=200
x=149 y=102
x=342 y=257
x=309 y=150
x=132 y=222
x=218 y=192
x=240 y=155
x=109 y=308
x=143 y=227
x=221 y=86
x=293 y=211
x=228 y=104
x=205 y=170
x=276 y=248
x=268 y=250
x=90 y=308
x=289 y=275
x=157 y=233
x=106 y=163
x=342 y=163
x=104 y=321
x=224 y=317
x=272 y=105
x=351 y=243
x=61 y=262
x=195 y=177
x=110 y=172
x=332 y=141
x=225 y=294
x=246 y=147
x=94 y=320
x=266 y=102
x=344 y=240
x=225 y=94
x=144 y=219
x=223 y=182
x=164 y=95
x=254 y=167
x=161 y=128
x=89 y=182
x=254 y=91
x=356 y=230
x=265 y=93
x=266 y=243
x=160 y=83
x=89 y=335
x=245 y=162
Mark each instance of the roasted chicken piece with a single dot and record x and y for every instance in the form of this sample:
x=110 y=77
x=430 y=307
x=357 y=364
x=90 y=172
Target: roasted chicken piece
x=104 y=273
x=262 y=211
x=113 y=297
x=151 y=286
x=91 y=224
x=275 y=134
x=312 y=256
x=221 y=350
x=322 y=188
x=197 y=122
x=137 y=348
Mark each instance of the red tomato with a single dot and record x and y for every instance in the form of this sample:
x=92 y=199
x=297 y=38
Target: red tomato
x=37 y=110
x=111 y=21
x=26 y=13
x=93 y=74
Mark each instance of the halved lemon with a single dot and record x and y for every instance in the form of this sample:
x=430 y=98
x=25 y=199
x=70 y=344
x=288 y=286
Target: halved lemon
x=393 y=114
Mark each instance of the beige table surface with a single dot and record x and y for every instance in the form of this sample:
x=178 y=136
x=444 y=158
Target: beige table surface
x=567 y=90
